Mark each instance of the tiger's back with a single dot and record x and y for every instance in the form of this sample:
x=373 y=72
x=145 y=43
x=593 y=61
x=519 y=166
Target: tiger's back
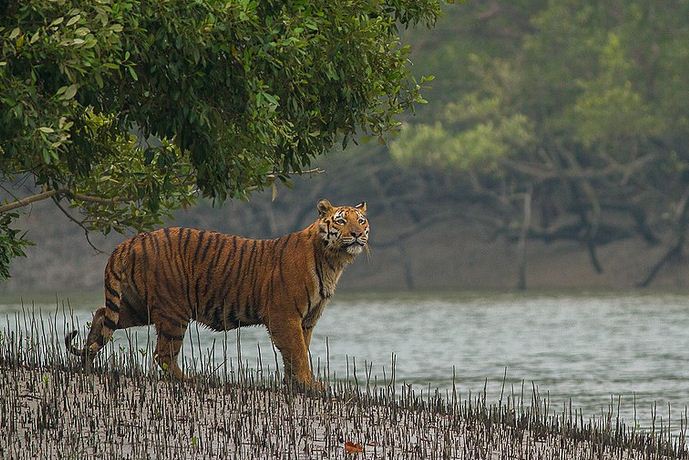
x=223 y=281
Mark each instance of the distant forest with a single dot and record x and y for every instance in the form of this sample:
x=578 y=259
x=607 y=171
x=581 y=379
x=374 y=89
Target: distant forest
x=553 y=151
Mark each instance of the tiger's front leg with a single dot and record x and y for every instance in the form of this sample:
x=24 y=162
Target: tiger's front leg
x=288 y=337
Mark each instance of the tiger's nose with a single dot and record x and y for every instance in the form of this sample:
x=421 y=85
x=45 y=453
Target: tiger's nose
x=356 y=234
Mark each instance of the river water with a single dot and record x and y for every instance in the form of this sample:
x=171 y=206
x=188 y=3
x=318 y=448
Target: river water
x=581 y=348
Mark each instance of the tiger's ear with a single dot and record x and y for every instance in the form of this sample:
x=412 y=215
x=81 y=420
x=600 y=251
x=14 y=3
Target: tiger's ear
x=361 y=207
x=323 y=207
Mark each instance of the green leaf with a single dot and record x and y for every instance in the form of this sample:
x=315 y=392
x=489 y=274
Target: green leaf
x=46 y=129
x=69 y=92
x=73 y=20
x=15 y=33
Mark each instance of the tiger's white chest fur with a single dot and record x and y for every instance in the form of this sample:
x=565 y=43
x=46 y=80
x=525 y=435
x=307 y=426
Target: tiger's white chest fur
x=324 y=279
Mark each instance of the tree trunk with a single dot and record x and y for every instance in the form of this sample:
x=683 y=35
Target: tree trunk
x=406 y=267
x=521 y=248
x=675 y=250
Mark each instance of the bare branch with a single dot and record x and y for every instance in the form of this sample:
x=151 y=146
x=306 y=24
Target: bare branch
x=80 y=224
x=96 y=199
x=675 y=250
x=29 y=199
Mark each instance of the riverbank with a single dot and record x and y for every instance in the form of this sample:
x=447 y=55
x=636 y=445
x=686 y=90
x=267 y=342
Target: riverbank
x=61 y=412
x=237 y=407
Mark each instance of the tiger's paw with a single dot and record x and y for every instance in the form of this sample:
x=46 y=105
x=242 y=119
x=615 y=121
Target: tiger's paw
x=308 y=387
x=316 y=386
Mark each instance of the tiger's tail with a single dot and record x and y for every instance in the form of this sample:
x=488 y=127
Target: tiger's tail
x=71 y=348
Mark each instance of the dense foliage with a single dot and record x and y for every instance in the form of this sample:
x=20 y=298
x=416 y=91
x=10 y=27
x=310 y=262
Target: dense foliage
x=578 y=107
x=126 y=109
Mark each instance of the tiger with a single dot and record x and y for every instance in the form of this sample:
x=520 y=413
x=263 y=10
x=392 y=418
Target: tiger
x=171 y=276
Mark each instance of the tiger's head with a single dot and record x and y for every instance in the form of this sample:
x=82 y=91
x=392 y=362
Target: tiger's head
x=343 y=228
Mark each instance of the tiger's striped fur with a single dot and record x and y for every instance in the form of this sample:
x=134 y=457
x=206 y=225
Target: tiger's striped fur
x=171 y=276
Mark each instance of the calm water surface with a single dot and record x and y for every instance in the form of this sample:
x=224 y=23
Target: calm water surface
x=586 y=348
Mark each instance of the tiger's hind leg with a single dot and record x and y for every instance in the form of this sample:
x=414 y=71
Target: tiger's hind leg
x=168 y=345
x=94 y=340
x=104 y=322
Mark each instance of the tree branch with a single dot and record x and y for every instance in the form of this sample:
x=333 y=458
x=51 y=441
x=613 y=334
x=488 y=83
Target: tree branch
x=95 y=199
x=675 y=250
x=80 y=224
x=20 y=203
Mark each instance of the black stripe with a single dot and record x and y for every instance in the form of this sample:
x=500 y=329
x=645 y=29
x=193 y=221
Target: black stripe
x=112 y=305
x=194 y=304
x=172 y=320
x=112 y=292
x=271 y=280
x=111 y=269
x=133 y=264
x=202 y=234
x=177 y=262
x=230 y=255
x=212 y=239
x=319 y=276
x=211 y=268
x=218 y=323
x=183 y=239
x=134 y=311
x=246 y=273
x=187 y=237
x=280 y=257
x=163 y=267
x=110 y=324
x=166 y=232
x=232 y=317
x=239 y=269
x=144 y=269
x=144 y=252
x=251 y=296
x=172 y=265
x=180 y=240
x=227 y=283
x=171 y=336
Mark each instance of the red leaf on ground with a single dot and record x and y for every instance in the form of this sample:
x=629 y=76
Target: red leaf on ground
x=353 y=448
